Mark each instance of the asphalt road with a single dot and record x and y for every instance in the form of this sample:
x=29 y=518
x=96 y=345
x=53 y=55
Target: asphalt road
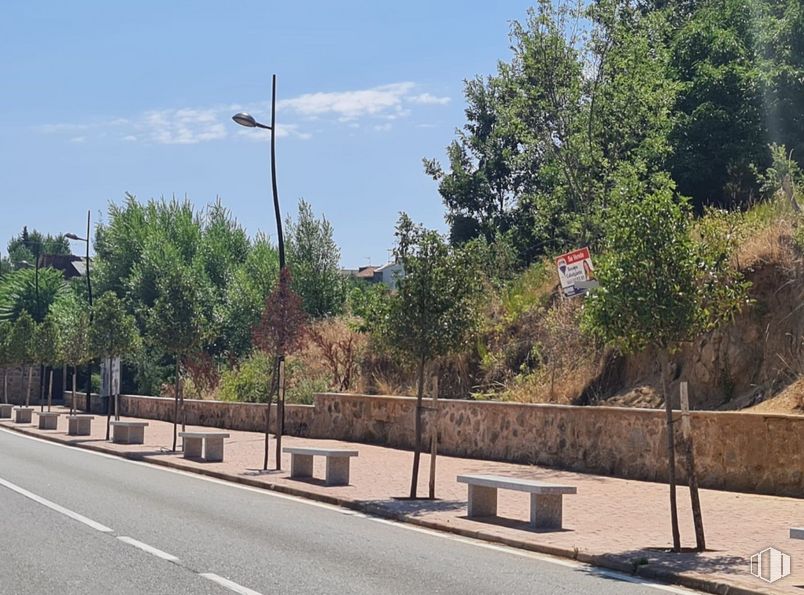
x=74 y=522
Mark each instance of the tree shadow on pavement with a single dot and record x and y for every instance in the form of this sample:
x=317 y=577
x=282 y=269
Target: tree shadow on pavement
x=416 y=507
x=709 y=562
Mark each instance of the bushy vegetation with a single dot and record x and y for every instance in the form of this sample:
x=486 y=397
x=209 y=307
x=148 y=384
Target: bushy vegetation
x=667 y=136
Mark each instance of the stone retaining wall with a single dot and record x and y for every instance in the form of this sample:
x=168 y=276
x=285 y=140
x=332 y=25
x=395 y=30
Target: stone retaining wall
x=17 y=383
x=734 y=451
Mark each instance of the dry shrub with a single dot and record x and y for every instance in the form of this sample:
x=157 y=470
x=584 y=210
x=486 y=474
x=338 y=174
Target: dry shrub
x=334 y=346
x=773 y=244
x=563 y=361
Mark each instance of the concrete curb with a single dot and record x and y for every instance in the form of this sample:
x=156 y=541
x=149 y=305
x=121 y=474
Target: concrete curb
x=603 y=561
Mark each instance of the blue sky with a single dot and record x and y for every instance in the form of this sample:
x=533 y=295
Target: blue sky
x=101 y=98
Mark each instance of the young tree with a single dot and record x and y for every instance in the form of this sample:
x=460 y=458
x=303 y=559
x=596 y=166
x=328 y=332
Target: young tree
x=47 y=353
x=177 y=323
x=5 y=354
x=655 y=289
x=113 y=334
x=22 y=347
x=433 y=312
x=72 y=319
x=313 y=257
x=279 y=332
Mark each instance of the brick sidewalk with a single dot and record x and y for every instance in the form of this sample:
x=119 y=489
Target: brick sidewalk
x=614 y=522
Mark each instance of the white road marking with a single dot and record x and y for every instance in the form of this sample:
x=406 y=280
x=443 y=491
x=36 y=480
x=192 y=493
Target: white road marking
x=53 y=506
x=149 y=548
x=399 y=524
x=232 y=586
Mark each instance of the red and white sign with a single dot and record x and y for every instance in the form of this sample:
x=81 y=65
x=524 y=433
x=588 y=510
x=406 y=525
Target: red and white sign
x=576 y=272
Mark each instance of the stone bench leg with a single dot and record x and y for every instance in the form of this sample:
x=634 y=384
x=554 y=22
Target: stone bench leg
x=192 y=447
x=22 y=416
x=47 y=422
x=5 y=411
x=136 y=435
x=546 y=511
x=84 y=427
x=337 y=471
x=213 y=449
x=301 y=465
x=482 y=501
x=120 y=434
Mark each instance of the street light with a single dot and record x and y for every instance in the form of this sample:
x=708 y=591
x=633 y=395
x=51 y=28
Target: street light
x=248 y=121
x=72 y=236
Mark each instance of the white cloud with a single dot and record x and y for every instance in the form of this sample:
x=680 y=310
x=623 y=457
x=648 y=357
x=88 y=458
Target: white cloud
x=380 y=105
x=183 y=126
x=350 y=105
x=428 y=99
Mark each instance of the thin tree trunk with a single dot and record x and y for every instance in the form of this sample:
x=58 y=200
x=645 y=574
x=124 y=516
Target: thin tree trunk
x=417 y=451
x=671 y=453
x=108 y=397
x=50 y=391
x=692 y=477
x=42 y=386
x=176 y=404
x=73 y=409
x=274 y=381
x=434 y=439
x=28 y=392
x=180 y=388
x=280 y=412
x=5 y=386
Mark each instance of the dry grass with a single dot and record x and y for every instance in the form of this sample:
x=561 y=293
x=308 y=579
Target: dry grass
x=773 y=244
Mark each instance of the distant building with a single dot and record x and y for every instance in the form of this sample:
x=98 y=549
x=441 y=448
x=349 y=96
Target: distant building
x=70 y=265
x=386 y=274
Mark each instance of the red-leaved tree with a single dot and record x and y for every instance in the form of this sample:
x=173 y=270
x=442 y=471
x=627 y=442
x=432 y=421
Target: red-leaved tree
x=280 y=331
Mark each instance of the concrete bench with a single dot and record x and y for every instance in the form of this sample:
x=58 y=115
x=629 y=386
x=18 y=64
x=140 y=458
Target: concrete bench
x=22 y=415
x=128 y=432
x=48 y=420
x=796 y=532
x=301 y=463
x=205 y=445
x=546 y=499
x=79 y=425
x=5 y=410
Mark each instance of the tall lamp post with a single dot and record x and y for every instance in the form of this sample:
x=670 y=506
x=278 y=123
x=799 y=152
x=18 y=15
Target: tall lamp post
x=72 y=236
x=248 y=121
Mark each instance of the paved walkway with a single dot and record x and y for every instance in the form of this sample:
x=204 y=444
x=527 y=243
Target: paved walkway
x=620 y=523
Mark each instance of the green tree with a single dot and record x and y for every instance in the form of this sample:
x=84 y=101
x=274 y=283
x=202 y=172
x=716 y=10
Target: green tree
x=313 y=258
x=177 y=323
x=245 y=297
x=654 y=287
x=18 y=292
x=28 y=246
x=48 y=346
x=433 y=312
x=72 y=318
x=22 y=346
x=6 y=358
x=113 y=334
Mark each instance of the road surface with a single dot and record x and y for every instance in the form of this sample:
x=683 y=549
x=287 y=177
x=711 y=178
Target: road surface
x=77 y=522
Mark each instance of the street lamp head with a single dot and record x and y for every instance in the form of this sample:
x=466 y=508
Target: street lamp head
x=248 y=121
x=72 y=236
x=245 y=119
